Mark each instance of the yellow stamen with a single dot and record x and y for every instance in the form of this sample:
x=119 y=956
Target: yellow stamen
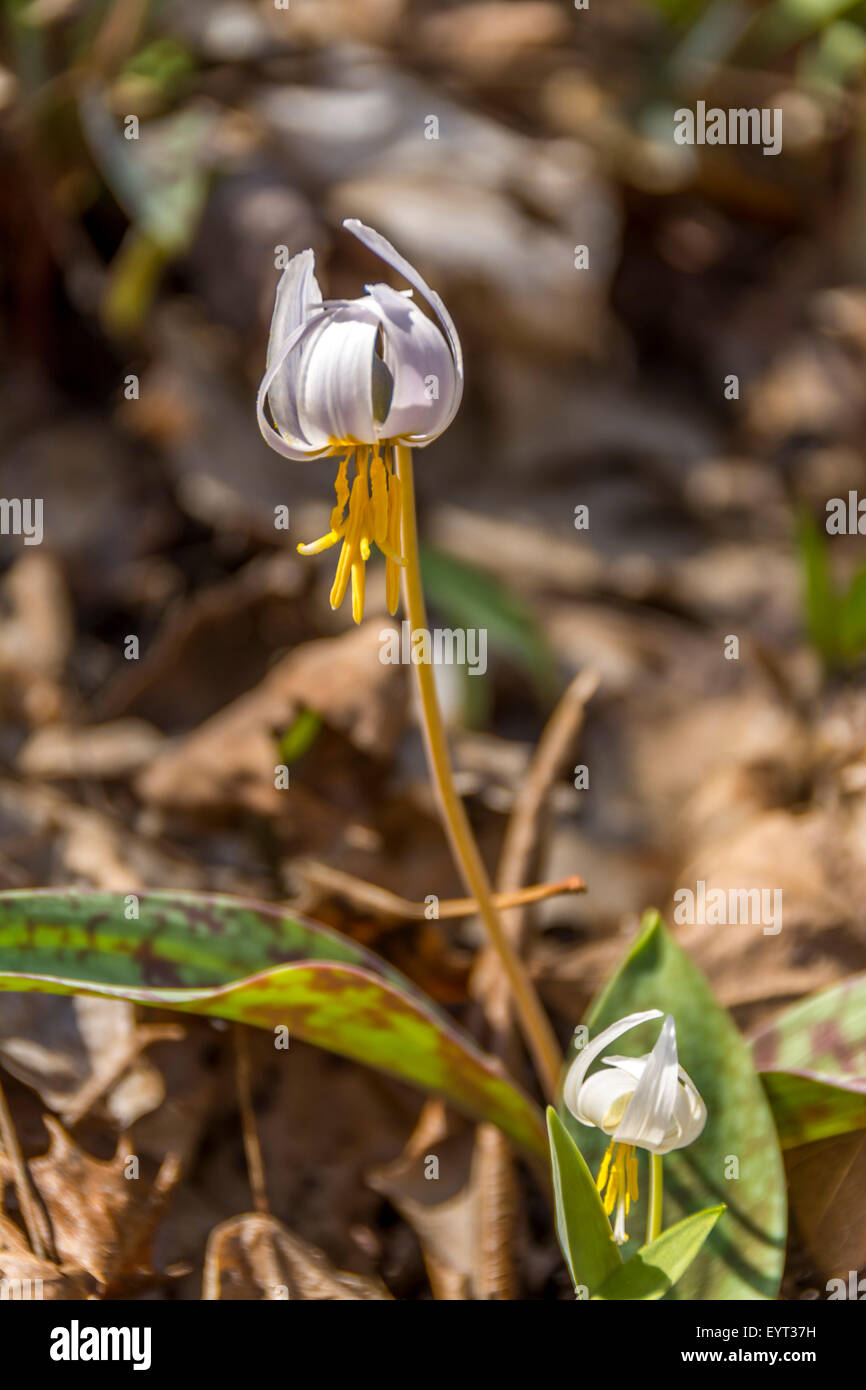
x=367 y=512
x=359 y=579
x=392 y=567
x=316 y=547
x=632 y=1177
x=610 y=1195
x=341 y=487
x=379 y=490
x=605 y=1166
x=341 y=578
x=618 y=1173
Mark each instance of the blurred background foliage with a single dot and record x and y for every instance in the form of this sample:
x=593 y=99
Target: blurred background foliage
x=136 y=284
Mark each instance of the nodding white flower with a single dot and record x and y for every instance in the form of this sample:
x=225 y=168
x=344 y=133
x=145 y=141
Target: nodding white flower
x=646 y=1102
x=351 y=378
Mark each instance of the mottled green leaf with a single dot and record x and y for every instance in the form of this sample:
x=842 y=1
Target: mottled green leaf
x=806 y=1109
x=812 y=1060
x=259 y=964
x=823 y=1035
x=584 y=1232
x=744 y=1255
x=659 y=1264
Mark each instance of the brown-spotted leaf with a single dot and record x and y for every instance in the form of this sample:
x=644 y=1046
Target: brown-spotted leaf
x=812 y=1060
x=259 y=964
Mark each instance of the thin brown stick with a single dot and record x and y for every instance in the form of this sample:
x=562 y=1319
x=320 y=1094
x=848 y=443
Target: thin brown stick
x=523 y=834
x=26 y=1198
x=252 y=1147
x=493 y=1171
x=370 y=896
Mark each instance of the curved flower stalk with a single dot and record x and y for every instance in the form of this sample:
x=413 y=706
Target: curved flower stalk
x=365 y=380
x=647 y=1102
x=351 y=379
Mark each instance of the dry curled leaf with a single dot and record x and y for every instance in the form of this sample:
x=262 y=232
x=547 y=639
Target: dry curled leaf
x=25 y=1277
x=255 y=1257
x=101 y=1218
x=229 y=760
x=826 y=1182
x=437 y=1186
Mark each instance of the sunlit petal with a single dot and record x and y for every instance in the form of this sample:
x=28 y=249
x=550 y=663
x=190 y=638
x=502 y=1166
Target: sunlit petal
x=297 y=299
x=587 y=1055
x=291 y=447
x=421 y=366
x=603 y=1098
x=650 y=1111
x=375 y=242
x=335 y=385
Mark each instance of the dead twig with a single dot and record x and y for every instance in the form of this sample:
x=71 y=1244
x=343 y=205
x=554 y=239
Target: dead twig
x=519 y=850
x=24 y=1191
x=371 y=897
x=252 y=1146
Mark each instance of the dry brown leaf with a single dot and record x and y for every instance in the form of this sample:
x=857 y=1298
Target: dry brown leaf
x=254 y=1257
x=101 y=1221
x=483 y=39
x=24 y=1276
x=35 y=637
x=229 y=761
x=437 y=1185
x=101 y=751
x=827 y=1182
x=69 y=1050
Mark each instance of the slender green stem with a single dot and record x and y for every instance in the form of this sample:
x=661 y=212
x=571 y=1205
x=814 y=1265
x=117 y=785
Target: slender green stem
x=540 y=1038
x=654 y=1210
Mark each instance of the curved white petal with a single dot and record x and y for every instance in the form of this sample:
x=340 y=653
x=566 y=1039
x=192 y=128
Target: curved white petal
x=419 y=359
x=603 y=1098
x=650 y=1111
x=293 y=447
x=689 y=1118
x=690 y=1112
x=587 y=1055
x=632 y=1065
x=375 y=242
x=297 y=299
x=334 y=397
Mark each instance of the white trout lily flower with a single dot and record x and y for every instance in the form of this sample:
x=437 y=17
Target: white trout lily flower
x=646 y=1102
x=350 y=378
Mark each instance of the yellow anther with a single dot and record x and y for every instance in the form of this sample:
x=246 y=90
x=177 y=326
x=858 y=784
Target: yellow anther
x=316 y=547
x=341 y=487
x=359 y=579
x=392 y=567
x=605 y=1166
x=367 y=512
x=610 y=1195
x=379 y=491
x=632 y=1176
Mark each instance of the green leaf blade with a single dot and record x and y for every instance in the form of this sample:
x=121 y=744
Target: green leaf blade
x=584 y=1232
x=259 y=964
x=658 y=1265
x=743 y=1258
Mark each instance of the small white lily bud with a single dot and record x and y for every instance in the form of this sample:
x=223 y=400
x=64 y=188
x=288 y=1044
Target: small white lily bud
x=647 y=1102
x=351 y=377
